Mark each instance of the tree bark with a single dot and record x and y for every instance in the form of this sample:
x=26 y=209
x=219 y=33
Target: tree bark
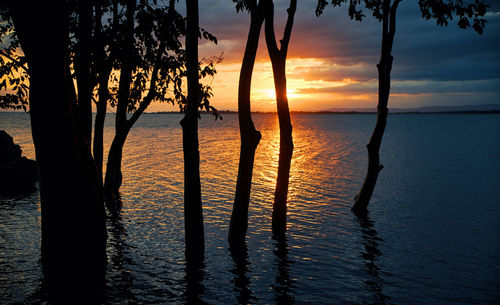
x=72 y=211
x=362 y=199
x=278 y=61
x=193 y=214
x=249 y=136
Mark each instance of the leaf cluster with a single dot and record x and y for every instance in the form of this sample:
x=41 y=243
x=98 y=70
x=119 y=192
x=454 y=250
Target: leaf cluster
x=14 y=93
x=469 y=13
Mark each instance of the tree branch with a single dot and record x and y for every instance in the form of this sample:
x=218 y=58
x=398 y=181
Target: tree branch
x=272 y=47
x=152 y=86
x=26 y=69
x=288 y=27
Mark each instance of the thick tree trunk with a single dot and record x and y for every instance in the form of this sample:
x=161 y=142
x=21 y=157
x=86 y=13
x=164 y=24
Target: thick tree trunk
x=193 y=214
x=250 y=137
x=362 y=199
x=82 y=66
x=278 y=61
x=72 y=210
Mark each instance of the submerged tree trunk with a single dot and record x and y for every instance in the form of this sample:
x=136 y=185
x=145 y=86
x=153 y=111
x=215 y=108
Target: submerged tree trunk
x=72 y=211
x=193 y=214
x=278 y=60
x=250 y=137
x=384 y=67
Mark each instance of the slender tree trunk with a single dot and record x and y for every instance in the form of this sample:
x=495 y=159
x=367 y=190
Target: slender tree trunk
x=250 y=137
x=193 y=214
x=384 y=67
x=103 y=71
x=278 y=61
x=98 y=147
x=113 y=179
x=83 y=61
x=72 y=211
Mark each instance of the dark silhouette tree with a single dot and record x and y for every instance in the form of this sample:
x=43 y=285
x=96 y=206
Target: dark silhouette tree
x=72 y=210
x=278 y=61
x=197 y=98
x=150 y=63
x=249 y=136
x=468 y=14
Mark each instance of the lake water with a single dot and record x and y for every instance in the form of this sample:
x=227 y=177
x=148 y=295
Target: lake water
x=432 y=235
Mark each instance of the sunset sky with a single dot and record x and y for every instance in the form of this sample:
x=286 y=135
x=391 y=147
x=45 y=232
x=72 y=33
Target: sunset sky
x=332 y=60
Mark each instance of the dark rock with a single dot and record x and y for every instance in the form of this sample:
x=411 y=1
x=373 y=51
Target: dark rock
x=18 y=175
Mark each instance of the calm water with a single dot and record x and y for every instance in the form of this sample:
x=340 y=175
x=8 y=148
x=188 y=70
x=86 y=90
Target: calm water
x=432 y=237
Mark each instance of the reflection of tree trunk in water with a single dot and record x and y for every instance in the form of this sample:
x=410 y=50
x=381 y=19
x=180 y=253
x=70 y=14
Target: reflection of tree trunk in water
x=241 y=280
x=118 y=270
x=73 y=245
x=195 y=273
x=384 y=67
x=278 y=60
x=283 y=284
x=371 y=242
x=250 y=137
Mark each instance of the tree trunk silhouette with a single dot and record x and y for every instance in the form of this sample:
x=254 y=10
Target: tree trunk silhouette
x=72 y=210
x=250 y=137
x=104 y=71
x=193 y=214
x=384 y=67
x=113 y=178
x=82 y=68
x=278 y=60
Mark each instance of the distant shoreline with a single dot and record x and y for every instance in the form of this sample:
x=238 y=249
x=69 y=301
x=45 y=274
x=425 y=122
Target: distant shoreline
x=346 y=112
x=324 y=112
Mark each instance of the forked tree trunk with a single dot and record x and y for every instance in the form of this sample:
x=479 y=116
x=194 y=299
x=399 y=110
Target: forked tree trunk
x=278 y=60
x=362 y=199
x=193 y=214
x=72 y=211
x=249 y=136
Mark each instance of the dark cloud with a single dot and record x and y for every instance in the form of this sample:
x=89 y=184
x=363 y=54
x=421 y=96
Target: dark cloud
x=441 y=56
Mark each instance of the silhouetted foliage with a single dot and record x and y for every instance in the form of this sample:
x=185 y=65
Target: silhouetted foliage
x=469 y=14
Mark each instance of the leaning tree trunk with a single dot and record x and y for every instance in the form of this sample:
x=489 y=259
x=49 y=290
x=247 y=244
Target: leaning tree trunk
x=193 y=214
x=384 y=67
x=113 y=179
x=278 y=60
x=72 y=211
x=250 y=137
